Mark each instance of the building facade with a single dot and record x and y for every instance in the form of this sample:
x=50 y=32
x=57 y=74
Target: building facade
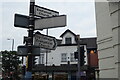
x=64 y=51
x=62 y=60
x=108 y=38
x=0 y=65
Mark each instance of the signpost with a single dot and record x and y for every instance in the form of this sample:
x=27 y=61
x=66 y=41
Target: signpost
x=44 y=12
x=39 y=18
x=46 y=42
x=52 y=22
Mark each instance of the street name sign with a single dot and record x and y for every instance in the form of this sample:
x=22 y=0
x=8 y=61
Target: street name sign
x=21 y=21
x=44 y=41
x=51 y=22
x=23 y=50
x=44 y=12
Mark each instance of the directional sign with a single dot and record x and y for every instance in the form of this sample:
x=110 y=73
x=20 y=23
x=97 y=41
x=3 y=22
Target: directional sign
x=22 y=51
x=21 y=21
x=44 y=12
x=43 y=41
x=59 y=21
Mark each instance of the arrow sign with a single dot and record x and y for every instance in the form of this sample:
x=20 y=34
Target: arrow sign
x=51 y=22
x=44 y=12
x=44 y=41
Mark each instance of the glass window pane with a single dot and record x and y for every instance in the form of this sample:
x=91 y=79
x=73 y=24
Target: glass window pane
x=68 y=41
x=63 y=57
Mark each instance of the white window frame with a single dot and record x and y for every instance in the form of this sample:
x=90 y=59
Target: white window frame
x=72 y=59
x=63 y=58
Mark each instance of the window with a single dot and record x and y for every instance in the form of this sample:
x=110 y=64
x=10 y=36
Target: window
x=72 y=59
x=64 y=57
x=68 y=40
x=41 y=59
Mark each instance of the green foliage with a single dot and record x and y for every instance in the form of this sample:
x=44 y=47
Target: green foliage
x=10 y=62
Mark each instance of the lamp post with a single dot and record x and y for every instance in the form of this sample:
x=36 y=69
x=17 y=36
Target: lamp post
x=69 y=73
x=12 y=43
x=78 y=48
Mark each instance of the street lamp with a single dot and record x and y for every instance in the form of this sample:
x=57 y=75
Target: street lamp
x=78 y=48
x=12 y=43
x=69 y=73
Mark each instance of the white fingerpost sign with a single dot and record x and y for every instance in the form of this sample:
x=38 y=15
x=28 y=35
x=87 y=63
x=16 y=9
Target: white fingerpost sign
x=52 y=22
x=44 y=12
x=44 y=41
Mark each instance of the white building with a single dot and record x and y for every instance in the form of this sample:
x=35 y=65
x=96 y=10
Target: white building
x=64 y=51
x=0 y=65
x=108 y=38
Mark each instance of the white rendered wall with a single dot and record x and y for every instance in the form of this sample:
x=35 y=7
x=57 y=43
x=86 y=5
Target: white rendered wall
x=55 y=56
x=107 y=23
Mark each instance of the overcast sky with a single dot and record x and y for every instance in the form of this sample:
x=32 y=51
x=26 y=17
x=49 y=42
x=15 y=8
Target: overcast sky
x=80 y=19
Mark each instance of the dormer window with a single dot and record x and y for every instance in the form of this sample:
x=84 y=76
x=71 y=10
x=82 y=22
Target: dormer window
x=68 y=37
x=68 y=40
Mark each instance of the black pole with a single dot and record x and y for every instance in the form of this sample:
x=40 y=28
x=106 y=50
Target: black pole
x=30 y=41
x=79 y=67
x=47 y=56
x=46 y=49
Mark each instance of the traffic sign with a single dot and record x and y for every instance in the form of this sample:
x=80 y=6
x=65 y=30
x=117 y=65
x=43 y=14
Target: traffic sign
x=44 y=12
x=52 y=22
x=44 y=41
x=21 y=21
x=23 y=50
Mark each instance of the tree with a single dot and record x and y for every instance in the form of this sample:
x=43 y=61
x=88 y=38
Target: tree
x=10 y=62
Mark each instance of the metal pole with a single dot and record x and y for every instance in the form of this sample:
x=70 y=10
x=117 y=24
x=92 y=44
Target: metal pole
x=46 y=49
x=79 y=70
x=28 y=75
x=46 y=56
x=69 y=73
x=12 y=44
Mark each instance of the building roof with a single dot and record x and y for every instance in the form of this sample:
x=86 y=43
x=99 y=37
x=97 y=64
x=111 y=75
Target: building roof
x=90 y=42
x=66 y=32
x=59 y=41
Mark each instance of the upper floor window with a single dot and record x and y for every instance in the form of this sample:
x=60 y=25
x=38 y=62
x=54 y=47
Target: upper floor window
x=64 y=57
x=68 y=40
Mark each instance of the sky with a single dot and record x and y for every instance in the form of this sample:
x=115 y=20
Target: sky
x=80 y=19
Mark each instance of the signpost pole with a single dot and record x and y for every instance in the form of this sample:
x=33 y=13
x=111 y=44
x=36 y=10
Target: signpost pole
x=52 y=20
x=79 y=68
x=46 y=56
x=28 y=75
